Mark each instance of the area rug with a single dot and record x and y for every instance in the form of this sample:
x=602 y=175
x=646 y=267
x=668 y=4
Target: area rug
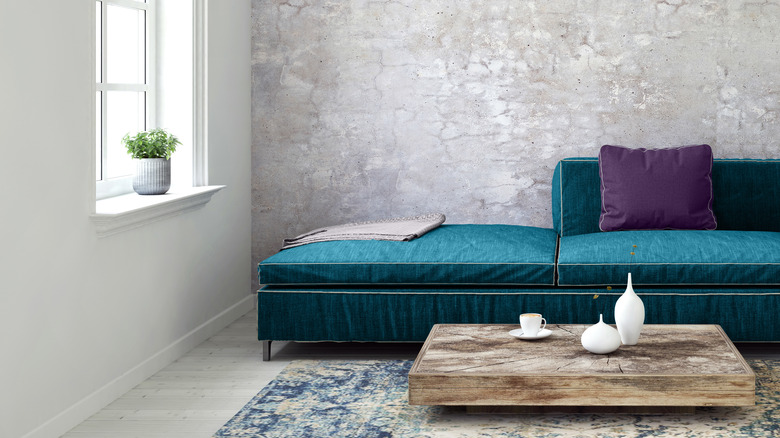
x=369 y=399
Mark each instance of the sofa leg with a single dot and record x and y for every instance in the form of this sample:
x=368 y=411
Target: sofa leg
x=266 y=350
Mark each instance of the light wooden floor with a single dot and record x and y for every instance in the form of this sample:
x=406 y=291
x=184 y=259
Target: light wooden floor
x=194 y=396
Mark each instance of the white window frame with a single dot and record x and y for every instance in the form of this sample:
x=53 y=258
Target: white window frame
x=110 y=187
x=200 y=170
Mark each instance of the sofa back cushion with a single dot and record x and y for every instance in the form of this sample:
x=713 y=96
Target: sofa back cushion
x=746 y=195
x=576 y=196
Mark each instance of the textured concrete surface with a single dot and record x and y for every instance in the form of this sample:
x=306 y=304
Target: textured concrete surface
x=373 y=109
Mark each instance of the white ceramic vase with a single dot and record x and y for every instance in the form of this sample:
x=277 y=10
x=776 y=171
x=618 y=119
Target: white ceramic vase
x=600 y=338
x=629 y=315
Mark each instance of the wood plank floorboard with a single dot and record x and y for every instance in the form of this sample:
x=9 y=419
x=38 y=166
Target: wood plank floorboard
x=194 y=396
x=159 y=415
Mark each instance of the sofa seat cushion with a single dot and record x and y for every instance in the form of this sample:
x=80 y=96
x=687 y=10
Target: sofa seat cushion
x=670 y=257
x=449 y=254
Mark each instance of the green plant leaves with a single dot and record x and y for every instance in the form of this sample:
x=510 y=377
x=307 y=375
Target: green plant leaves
x=155 y=143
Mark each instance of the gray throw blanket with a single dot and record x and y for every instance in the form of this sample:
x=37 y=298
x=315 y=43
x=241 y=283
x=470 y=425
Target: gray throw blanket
x=397 y=229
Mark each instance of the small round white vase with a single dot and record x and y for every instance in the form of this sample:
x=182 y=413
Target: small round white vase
x=629 y=315
x=600 y=338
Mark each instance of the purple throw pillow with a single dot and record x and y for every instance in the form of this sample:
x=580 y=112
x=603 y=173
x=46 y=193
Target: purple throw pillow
x=646 y=189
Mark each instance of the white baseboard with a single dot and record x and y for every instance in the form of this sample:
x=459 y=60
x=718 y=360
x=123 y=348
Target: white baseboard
x=89 y=405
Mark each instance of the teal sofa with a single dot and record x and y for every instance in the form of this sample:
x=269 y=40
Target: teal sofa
x=471 y=273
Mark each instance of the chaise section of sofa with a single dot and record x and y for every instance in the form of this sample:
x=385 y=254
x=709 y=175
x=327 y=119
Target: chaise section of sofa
x=377 y=290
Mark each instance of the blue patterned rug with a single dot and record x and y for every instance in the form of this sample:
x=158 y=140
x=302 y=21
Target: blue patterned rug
x=368 y=399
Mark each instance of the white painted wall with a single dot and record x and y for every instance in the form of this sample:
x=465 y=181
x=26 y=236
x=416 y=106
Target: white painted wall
x=83 y=319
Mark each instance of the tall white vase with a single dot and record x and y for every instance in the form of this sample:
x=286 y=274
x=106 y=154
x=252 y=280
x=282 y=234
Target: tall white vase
x=629 y=315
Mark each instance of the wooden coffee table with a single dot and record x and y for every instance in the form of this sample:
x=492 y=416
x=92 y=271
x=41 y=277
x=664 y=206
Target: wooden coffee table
x=671 y=366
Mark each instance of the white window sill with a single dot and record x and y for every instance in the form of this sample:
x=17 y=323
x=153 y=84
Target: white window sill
x=121 y=213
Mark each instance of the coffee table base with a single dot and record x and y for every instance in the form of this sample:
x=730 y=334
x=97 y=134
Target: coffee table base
x=556 y=410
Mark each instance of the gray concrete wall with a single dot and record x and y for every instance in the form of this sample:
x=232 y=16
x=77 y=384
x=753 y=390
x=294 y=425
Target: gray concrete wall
x=372 y=109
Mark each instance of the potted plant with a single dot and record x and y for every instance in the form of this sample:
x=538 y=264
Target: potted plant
x=153 y=150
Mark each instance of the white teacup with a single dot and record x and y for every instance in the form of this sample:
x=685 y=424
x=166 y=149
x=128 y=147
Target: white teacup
x=532 y=323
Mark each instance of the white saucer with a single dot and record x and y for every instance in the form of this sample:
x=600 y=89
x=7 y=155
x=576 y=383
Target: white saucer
x=518 y=333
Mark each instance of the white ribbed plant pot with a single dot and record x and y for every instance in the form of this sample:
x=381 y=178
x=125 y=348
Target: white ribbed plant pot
x=629 y=315
x=152 y=176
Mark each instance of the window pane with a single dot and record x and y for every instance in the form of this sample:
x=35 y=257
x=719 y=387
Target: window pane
x=98 y=44
x=126 y=41
x=98 y=136
x=126 y=115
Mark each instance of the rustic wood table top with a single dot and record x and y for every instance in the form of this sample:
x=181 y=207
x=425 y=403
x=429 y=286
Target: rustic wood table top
x=672 y=365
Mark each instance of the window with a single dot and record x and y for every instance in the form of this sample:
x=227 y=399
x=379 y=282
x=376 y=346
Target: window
x=125 y=92
x=151 y=72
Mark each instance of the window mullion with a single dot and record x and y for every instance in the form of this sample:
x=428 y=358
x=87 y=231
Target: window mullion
x=141 y=88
